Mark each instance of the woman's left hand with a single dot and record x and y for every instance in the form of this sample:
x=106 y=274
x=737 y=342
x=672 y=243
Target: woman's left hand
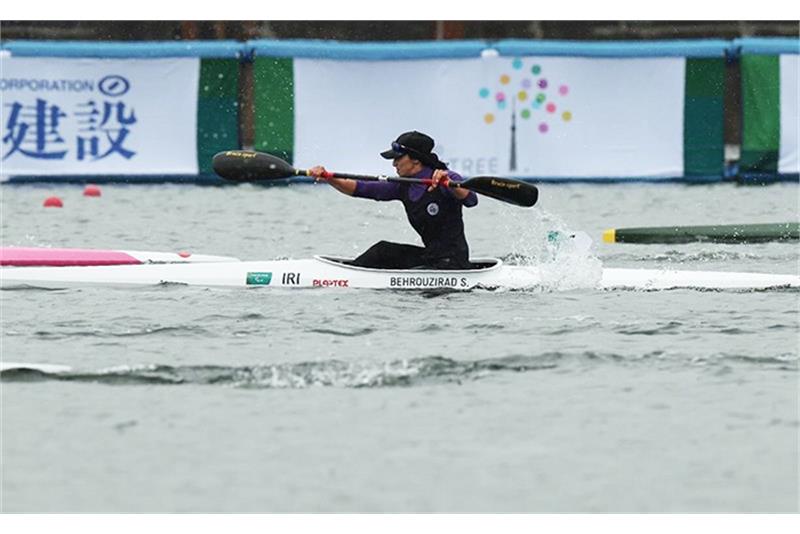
x=440 y=176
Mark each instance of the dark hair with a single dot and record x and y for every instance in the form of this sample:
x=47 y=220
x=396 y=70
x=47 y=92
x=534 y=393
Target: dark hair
x=431 y=160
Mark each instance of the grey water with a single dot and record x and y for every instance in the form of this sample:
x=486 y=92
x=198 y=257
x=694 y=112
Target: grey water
x=560 y=399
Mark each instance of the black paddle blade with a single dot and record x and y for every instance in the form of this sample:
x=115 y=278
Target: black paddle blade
x=505 y=189
x=244 y=165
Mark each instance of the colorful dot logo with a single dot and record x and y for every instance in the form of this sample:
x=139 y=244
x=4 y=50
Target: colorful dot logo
x=545 y=99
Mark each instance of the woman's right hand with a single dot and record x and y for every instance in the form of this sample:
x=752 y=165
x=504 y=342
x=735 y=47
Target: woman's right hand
x=319 y=173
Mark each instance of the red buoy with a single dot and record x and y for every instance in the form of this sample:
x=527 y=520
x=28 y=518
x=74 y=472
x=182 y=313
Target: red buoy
x=91 y=190
x=53 y=202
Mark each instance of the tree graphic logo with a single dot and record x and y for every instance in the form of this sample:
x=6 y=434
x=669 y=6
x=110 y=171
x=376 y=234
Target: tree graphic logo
x=531 y=97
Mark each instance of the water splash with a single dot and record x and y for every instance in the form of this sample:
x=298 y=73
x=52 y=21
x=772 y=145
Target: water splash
x=565 y=257
x=330 y=373
x=410 y=372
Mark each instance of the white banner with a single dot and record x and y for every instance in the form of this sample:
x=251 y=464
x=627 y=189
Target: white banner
x=788 y=158
x=75 y=116
x=532 y=116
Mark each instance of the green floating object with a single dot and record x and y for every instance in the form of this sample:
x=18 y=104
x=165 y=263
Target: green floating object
x=719 y=233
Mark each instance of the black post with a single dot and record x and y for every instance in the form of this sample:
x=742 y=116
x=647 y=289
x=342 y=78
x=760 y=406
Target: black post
x=513 y=164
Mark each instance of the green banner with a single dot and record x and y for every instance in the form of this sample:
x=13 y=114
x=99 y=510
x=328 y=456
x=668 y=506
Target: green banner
x=703 y=137
x=217 y=109
x=760 y=113
x=273 y=81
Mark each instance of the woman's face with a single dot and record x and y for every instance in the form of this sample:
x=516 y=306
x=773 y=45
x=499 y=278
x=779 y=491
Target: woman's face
x=406 y=166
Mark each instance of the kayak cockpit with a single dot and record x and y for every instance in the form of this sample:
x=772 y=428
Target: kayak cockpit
x=478 y=265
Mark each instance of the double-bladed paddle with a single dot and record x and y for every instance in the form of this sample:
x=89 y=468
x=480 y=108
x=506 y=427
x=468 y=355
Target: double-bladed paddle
x=245 y=165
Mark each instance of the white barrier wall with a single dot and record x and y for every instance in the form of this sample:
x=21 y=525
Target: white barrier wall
x=527 y=116
x=93 y=116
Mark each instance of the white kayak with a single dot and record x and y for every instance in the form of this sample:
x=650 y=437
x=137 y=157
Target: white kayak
x=60 y=257
x=335 y=273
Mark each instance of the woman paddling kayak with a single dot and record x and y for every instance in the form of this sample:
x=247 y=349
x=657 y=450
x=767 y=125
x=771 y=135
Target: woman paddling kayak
x=433 y=211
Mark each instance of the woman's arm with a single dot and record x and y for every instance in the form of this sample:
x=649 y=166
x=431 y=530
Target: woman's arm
x=348 y=187
x=354 y=188
x=466 y=196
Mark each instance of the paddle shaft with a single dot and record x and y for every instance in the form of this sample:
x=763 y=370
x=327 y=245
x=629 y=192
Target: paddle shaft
x=243 y=165
x=502 y=189
x=370 y=178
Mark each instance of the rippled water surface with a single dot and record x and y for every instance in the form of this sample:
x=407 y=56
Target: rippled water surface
x=562 y=399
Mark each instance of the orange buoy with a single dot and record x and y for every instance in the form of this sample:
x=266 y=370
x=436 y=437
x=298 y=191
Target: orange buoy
x=91 y=190
x=53 y=202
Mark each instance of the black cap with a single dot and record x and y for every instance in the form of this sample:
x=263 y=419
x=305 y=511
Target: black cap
x=416 y=144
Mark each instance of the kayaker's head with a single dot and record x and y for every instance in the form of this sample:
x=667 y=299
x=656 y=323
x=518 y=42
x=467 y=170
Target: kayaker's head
x=412 y=151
